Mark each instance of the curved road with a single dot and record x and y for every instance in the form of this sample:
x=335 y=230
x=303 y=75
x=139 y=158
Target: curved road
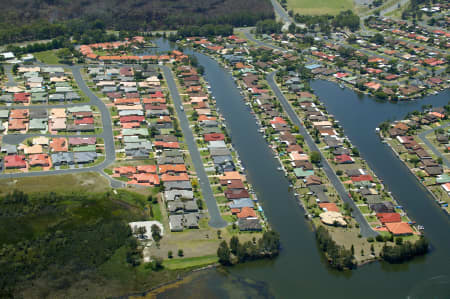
x=216 y=220
x=107 y=135
x=366 y=230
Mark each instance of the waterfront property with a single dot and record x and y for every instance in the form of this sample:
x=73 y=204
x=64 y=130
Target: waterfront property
x=421 y=141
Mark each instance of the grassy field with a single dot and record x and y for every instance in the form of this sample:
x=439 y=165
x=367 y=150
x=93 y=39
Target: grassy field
x=47 y=57
x=88 y=181
x=184 y=263
x=319 y=7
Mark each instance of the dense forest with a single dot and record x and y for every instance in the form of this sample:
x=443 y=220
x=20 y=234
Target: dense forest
x=20 y=19
x=48 y=242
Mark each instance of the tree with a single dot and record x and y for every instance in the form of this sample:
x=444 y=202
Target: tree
x=234 y=244
x=156 y=263
x=156 y=233
x=219 y=234
x=378 y=39
x=269 y=244
x=141 y=231
x=180 y=253
x=223 y=252
x=315 y=157
x=415 y=160
x=170 y=254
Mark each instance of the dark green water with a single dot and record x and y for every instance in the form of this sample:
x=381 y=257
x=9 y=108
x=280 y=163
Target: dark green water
x=300 y=272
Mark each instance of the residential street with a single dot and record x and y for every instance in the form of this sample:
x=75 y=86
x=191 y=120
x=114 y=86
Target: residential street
x=366 y=230
x=280 y=12
x=8 y=70
x=107 y=135
x=252 y=38
x=216 y=220
x=423 y=136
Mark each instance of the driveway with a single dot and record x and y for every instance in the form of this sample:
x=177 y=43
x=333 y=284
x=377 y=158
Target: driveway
x=366 y=230
x=216 y=219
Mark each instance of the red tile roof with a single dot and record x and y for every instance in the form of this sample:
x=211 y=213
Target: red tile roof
x=343 y=159
x=330 y=206
x=399 y=228
x=174 y=178
x=214 y=136
x=389 y=217
x=162 y=144
x=246 y=212
x=59 y=144
x=146 y=168
x=172 y=168
x=39 y=160
x=15 y=161
x=365 y=177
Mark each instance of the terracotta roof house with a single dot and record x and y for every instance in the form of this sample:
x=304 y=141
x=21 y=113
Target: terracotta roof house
x=19 y=113
x=39 y=160
x=214 y=137
x=229 y=176
x=389 y=217
x=329 y=206
x=17 y=124
x=22 y=97
x=399 y=228
x=246 y=212
x=145 y=178
x=361 y=178
x=15 y=161
x=146 y=168
x=173 y=178
x=124 y=171
x=162 y=144
x=179 y=168
x=344 y=159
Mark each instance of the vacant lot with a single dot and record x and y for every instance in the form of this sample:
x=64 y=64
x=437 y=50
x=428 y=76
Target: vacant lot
x=47 y=57
x=319 y=7
x=87 y=181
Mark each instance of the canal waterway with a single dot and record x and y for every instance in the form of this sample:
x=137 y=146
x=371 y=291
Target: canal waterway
x=300 y=271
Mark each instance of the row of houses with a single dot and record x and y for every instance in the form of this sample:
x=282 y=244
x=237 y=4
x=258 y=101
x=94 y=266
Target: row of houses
x=433 y=172
x=361 y=184
x=213 y=138
x=40 y=86
x=144 y=122
x=56 y=120
x=48 y=153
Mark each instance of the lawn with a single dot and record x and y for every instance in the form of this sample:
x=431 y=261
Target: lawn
x=184 y=263
x=47 y=57
x=319 y=7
